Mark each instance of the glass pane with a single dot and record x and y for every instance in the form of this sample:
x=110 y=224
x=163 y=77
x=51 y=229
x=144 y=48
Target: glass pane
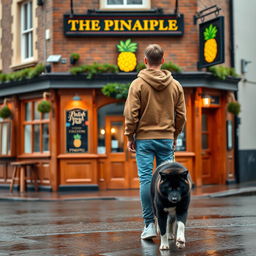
x=117 y=137
x=28 y=108
x=204 y=123
x=30 y=16
x=30 y=44
x=115 y=2
x=181 y=141
x=27 y=139
x=36 y=138
x=45 y=115
x=101 y=141
x=25 y=16
x=45 y=137
x=36 y=112
x=205 y=141
x=138 y=2
x=5 y=138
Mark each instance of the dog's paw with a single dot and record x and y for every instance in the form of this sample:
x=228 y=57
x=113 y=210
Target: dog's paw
x=171 y=237
x=180 y=243
x=164 y=247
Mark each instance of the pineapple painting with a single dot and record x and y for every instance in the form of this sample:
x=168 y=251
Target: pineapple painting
x=210 y=46
x=77 y=141
x=126 y=60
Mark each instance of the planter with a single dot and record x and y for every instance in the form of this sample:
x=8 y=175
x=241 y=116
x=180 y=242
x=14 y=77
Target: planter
x=74 y=57
x=44 y=106
x=5 y=112
x=234 y=107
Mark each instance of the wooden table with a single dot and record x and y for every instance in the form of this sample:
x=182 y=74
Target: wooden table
x=20 y=167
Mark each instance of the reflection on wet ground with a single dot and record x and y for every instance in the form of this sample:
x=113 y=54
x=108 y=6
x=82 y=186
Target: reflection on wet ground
x=217 y=227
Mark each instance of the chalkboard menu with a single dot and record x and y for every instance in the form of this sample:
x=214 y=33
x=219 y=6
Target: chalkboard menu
x=76 y=130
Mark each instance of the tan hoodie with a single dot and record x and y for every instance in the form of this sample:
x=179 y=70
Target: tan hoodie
x=155 y=107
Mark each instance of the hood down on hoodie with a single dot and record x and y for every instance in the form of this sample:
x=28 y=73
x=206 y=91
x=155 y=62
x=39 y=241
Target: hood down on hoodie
x=158 y=79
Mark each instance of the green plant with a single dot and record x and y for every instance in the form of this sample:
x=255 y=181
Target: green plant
x=169 y=66
x=234 y=107
x=36 y=71
x=222 y=72
x=75 y=56
x=93 y=69
x=5 y=112
x=26 y=73
x=2 y=77
x=116 y=90
x=44 y=106
x=140 y=66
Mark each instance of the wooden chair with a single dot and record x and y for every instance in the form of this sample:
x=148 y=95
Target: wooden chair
x=20 y=171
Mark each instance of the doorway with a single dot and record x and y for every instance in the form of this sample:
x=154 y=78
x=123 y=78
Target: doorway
x=209 y=146
x=121 y=164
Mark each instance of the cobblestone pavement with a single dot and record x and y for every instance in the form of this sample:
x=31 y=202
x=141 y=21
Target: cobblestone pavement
x=216 y=226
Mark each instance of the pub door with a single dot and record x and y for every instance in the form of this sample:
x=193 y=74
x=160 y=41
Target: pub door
x=121 y=164
x=209 y=146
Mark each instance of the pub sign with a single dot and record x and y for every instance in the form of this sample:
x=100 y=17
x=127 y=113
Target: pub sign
x=211 y=42
x=76 y=130
x=116 y=25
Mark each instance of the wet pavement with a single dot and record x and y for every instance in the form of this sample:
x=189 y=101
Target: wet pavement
x=216 y=226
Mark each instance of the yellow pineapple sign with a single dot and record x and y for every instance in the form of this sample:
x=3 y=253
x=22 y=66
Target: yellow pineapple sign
x=211 y=40
x=126 y=59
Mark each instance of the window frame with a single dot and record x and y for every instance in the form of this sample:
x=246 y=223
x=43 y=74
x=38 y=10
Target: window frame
x=26 y=32
x=34 y=122
x=146 y=5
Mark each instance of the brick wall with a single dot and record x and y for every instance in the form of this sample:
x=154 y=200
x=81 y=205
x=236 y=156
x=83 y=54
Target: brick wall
x=181 y=50
x=6 y=35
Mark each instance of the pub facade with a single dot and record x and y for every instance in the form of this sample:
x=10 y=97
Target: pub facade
x=79 y=143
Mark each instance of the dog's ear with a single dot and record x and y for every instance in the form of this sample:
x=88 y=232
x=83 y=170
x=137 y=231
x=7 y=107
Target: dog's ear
x=184 y=174
x=163 y=175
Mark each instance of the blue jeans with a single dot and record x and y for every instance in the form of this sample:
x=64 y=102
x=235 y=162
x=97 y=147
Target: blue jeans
x=146 y=150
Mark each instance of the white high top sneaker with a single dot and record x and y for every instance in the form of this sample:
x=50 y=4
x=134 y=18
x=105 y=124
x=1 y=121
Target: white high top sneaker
x=149 y=232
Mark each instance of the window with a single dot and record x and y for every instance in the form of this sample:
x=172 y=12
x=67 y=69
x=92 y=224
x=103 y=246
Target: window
x=24 y=37
x=26 y=30
x=5 y=137
x=125 y=4
x=35 y=129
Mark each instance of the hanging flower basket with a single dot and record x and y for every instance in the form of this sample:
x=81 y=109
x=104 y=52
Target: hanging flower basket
x=234 y=107
x=5 y=112
x=44 y=106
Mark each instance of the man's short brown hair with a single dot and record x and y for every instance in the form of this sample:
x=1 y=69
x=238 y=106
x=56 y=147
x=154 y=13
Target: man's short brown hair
x=154 y=54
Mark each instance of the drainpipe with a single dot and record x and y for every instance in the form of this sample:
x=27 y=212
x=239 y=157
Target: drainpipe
x=232 y=63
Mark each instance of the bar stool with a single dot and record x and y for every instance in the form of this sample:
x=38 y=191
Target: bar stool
x=20 y=172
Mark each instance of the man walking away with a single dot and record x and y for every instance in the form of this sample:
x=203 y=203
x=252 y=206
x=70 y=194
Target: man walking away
x=155 y=114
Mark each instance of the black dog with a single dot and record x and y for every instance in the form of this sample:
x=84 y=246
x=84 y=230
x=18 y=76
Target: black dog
x=170 y=193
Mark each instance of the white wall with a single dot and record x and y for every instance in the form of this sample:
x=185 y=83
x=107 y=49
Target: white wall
x=245 y=48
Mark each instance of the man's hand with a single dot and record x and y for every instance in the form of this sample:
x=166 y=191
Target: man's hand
x=131 y=146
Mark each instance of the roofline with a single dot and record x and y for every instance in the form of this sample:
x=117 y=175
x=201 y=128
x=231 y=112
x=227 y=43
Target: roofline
x=48 y=81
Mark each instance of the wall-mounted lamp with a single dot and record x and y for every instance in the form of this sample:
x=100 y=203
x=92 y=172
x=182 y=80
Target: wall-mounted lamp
x=244 y=64
x=54 y=58
x=102 y=131
x=113 y=130
x=76 y=98
x=206 y=100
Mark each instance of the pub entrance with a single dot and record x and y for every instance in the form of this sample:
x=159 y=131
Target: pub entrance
x=121 y=164
x=209 y=146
